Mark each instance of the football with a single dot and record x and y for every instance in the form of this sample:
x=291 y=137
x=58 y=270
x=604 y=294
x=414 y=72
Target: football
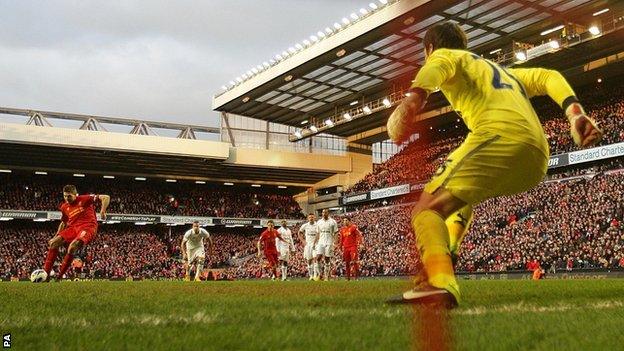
x=38 y=276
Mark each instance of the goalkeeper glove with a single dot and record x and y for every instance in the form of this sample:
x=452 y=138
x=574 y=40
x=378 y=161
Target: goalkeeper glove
x=584 y=130
x=402 y=122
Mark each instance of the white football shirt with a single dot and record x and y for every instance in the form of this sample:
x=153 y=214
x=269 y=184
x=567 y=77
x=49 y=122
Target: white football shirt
x=195 y=240
x=287 y=236
x=311 y=231
x=328 y=229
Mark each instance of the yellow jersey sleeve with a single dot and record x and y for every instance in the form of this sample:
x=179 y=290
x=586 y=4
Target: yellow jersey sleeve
x=439 y=67
x=541 y=81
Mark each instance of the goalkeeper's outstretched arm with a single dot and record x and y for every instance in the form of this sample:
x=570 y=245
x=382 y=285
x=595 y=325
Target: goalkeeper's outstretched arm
x=540 y=81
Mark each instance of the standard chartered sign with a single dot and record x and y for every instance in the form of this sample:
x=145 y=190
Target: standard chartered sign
x=597 y=153
x=389 y=192
x=588 y=155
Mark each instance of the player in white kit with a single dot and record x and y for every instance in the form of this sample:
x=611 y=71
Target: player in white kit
x=328 y=230
x=284 y=247
x=309 y=235
x=192 y=248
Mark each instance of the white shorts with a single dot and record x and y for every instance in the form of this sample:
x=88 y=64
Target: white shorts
x=308 y=252
x=324 y=250
x=193 y=254
x=284 y=254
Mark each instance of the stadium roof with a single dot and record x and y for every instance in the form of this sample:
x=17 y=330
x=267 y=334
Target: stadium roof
x=375 y=52
x=97 y=123
x=45 y=148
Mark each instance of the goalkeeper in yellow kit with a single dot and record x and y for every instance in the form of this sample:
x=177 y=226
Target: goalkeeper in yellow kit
x=505 y=153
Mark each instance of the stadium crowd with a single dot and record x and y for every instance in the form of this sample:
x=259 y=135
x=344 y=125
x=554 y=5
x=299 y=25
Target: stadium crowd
x=28 y=192
x=414 y=163
x=610 y=118
x=569 y=224
x=565 y=223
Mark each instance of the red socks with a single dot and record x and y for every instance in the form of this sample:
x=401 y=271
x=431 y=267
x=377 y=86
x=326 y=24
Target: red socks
x=65 y=265
x=49 y=261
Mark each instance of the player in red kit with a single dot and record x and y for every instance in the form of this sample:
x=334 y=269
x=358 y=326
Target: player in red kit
x=267 y=242
x=350 y=240
x=78 y=226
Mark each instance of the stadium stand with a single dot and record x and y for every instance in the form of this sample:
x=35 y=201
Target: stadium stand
x=416 y=162
x=575 y=220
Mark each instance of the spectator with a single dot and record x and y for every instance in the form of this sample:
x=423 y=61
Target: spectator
x=28 y=192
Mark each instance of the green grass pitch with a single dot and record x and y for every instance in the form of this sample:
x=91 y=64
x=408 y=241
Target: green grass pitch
x=302 y=315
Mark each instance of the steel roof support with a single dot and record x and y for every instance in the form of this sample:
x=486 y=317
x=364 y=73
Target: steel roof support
x=187 y=133
x=226 y=120
x=37 y=119
x=143 y=129
x=92 y=124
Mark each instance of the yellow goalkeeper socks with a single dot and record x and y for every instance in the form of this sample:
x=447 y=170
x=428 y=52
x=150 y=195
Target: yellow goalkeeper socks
x=432 y=240
x=458 y=224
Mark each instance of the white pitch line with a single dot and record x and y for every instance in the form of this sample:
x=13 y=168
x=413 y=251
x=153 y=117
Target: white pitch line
x=524 y=308
x=387 y=313
x=142 y=319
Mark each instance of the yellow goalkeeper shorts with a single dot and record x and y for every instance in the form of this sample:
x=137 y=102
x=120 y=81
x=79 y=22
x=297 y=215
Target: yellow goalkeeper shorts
x=486 y=165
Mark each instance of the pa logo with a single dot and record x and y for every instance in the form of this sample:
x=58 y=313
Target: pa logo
x=6 y=341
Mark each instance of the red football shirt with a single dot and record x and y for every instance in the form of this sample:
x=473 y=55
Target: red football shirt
x=268 y=240
x=349 y=236
x=80 y=212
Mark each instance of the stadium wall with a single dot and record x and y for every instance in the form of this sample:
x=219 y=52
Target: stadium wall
x=527 y=275
x=284 y=159
x=113 y=218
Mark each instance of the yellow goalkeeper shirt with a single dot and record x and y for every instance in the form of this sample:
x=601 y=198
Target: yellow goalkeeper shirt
x=490 y=98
